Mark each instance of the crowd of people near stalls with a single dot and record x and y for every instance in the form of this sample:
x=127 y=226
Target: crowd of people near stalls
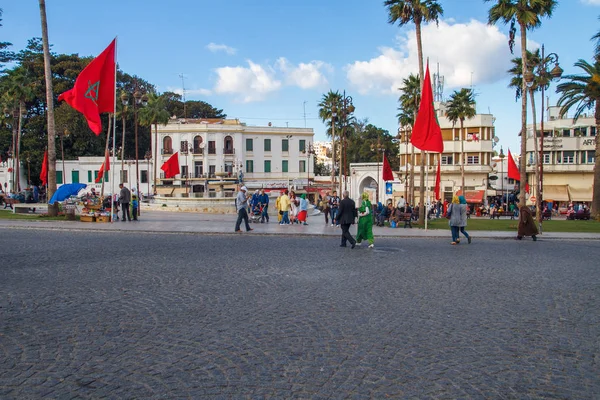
x=31 y=194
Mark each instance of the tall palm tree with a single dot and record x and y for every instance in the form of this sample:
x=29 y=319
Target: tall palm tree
x=331 y=102
x=52 y=211
x=153 y=114
x=528 y=14
x=461 y=106
x=583 y=93
x=596 y=38
x=417 y=12
x=409 y=102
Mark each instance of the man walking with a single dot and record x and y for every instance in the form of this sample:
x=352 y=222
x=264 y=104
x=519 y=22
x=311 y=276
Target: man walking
x=334 y=202
x=284 y=208
x=264 y=200
x=346 y=216
x=125 y=199
x=241 y=202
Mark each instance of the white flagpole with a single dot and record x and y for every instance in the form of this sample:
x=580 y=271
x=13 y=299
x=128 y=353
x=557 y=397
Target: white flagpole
x=112 y=194
x=425 y=208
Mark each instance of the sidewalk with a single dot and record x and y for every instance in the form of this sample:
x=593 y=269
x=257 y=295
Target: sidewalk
x=182 y=222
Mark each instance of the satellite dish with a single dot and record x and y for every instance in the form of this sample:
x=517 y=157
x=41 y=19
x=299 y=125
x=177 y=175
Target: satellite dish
x=496 y=140
x=201 y=145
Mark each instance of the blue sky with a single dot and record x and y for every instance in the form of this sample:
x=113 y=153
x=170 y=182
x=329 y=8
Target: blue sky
x=272 y=60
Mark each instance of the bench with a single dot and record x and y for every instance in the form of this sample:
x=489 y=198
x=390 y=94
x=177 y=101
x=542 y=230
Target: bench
x=581 y=214
x=497 y=214
x=406 y=218
x=8 y=203
x=546 y=215
x=27 y=206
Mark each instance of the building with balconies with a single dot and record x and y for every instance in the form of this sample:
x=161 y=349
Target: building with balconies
x=476 y=141
x=214 y=154
x=568 y=157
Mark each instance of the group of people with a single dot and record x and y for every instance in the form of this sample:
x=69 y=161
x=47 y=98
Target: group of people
x=129 y=203
x=291 y=209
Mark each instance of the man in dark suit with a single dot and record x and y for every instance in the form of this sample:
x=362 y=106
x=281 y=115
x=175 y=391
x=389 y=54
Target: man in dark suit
x=346 y=215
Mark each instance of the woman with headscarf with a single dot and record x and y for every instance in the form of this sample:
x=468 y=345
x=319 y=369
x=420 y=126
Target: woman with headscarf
x=463 y=219
x=453 y=214
x=365 y=222
x=303 y=209
x=527 y=225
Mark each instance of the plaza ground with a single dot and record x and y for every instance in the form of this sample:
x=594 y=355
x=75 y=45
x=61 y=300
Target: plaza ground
x=135 y=314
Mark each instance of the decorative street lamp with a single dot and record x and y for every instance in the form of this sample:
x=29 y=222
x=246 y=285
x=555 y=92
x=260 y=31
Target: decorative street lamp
x=148 y=157
x=544 y=78
x=187 y=148
x=308 y=151
x=501 y=155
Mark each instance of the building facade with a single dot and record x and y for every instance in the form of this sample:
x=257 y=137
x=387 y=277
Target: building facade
x=568 y=157
x=476 y=142
x=214 y=154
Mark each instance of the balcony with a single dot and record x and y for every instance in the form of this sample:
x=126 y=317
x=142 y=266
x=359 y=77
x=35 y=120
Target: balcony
x=167 y=151
x=212 y=150
x=228 y=151
x=198 y=151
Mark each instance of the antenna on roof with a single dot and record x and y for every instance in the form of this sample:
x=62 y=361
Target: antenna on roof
x=183 y=92
x=438 y=85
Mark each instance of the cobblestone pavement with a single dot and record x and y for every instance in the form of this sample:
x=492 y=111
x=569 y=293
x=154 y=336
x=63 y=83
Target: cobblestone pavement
x=188 y=316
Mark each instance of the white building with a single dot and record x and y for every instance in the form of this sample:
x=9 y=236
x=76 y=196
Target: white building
x=214 y=153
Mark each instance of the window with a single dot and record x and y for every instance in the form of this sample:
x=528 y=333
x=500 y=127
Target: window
x=566 y=133
x=284 y=166
x=285 y=145
x=592 y=131
x=183 y=148
x=267 y=144
x=250 y=165
x=546 y=157
x=184 y=171
x=143 y=176
x=90 y=177
x=123 y=176
x=568 y=157
x=59 y=179
x=212 y=148
x=302 y=167
x=249 y=145
x=229 y=168
x=167 y=145
x=447 y=160
x=590 y=157
x=198 y=145
x=96 y=175
x=580 y=131
x=302 y=145
x=75 y=176
x=472 y=159
x=267 y=165
x=198 y=169
x=228 y=149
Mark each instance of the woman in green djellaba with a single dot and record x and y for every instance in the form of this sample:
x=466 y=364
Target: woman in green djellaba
x=365 y=221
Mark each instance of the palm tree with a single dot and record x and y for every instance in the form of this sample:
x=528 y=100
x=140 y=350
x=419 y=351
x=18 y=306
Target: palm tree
x=153 y=114
x=596 y=37
x=52 y=211
x=528 y=14
x=583 y=93
x=460 y=107
x=409 y=102
x=329 y=105
x=417 y=12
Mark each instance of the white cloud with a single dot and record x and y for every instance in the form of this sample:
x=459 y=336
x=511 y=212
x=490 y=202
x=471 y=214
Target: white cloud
x=467 y=52
x=221 y=47
x=304 y=75
x=591 y=2
x=251 y=84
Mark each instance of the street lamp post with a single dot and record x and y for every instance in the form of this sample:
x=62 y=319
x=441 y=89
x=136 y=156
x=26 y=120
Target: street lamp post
x=308 y=151
x=501 y=155
x=148 y=157
x=333 y=119
x=188 y=148
x=545 y=77
x=347 y=109
x=125 y=102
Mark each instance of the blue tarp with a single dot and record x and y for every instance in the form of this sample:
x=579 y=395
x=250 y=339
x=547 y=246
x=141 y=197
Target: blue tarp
x=66 y=191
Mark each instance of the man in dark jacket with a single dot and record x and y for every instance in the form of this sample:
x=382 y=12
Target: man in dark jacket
x=124 y=199
x=346 y=215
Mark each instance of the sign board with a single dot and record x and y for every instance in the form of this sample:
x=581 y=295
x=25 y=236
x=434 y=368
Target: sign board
x=388 y=188
x=532 y=199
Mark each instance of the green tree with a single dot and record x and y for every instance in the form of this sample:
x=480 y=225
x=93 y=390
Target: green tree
x=527 y=14
x=153 y=114
x=596 y=38
x=582 y=92
x=461 y=106
x=5 y=54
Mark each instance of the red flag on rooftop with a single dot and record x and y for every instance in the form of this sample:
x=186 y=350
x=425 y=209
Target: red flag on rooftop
x=94 y=90
x=387 y=170
x=171 y=167
x=105 y=167
x=513 y=171
x=426 y=134
x=44 y=173
x=438 y=179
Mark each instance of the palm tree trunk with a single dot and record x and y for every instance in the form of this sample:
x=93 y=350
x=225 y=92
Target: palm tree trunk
x=596 y=195
x=422 y=173
x=15 y=131
x=123 y=152
x=155 y=156
x=462 y=156
x=52 y=210
x=20 y=129
x=523 y=161
x=538 y=198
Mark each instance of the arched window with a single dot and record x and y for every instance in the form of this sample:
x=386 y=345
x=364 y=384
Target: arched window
x=198 y=144
x=228 y=145
x=167 y=145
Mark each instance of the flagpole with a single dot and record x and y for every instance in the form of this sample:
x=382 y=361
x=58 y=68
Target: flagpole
x=104 y=166
x=426 y=187
x=112 y=186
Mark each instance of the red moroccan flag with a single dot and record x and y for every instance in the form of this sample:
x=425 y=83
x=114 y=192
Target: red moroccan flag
x=387 y=170
x=426 y=134
x=438 y=179
x=513 y=171
x=171 y=167
x=105 y=167
x=44 y=173
x=94 y=90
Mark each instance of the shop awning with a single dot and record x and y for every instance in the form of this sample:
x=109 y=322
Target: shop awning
x=556 y=192
x=580 y=194
x=473 y=196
